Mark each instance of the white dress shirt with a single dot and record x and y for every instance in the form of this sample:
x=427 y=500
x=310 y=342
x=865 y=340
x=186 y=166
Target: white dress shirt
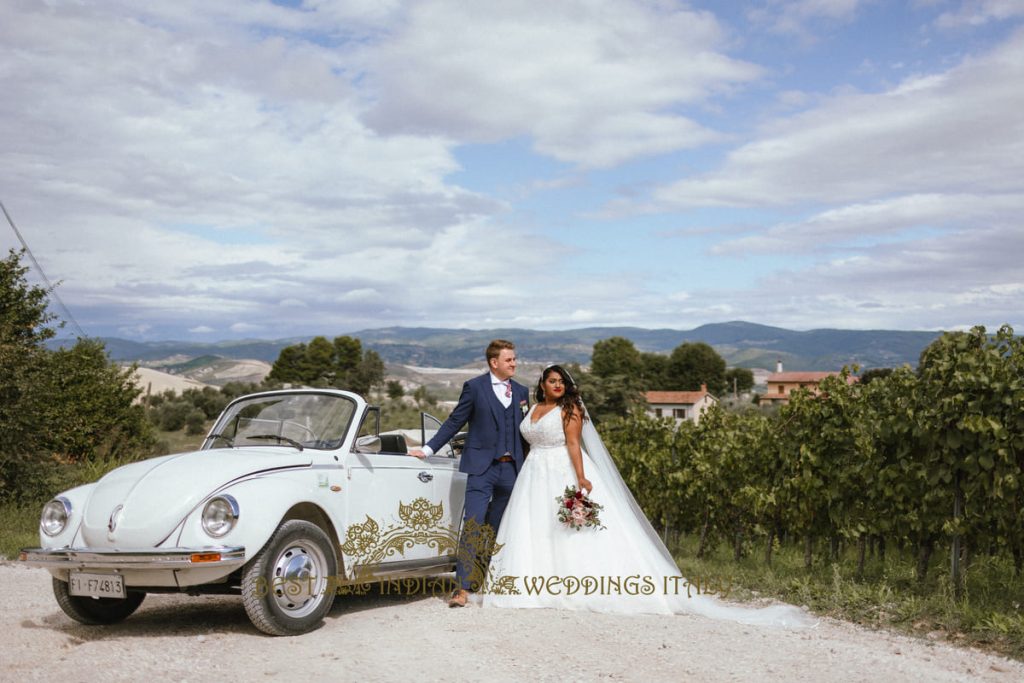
x=500 y=388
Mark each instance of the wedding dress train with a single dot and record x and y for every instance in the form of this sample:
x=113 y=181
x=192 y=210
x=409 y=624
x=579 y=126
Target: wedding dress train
x=623 y=568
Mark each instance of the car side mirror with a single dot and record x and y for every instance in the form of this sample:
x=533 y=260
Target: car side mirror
x=368 y=444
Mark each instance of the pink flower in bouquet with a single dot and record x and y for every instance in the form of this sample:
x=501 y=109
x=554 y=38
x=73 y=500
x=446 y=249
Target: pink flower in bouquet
x=576 y=510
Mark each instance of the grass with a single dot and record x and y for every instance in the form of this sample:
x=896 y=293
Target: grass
x=19 y=528
x=987 y=616
x=180 y=442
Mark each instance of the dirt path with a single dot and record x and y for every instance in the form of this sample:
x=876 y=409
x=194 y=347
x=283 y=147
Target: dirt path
x=384 y=638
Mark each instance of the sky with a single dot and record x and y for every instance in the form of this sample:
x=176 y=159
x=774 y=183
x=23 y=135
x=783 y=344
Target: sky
x=210 y=169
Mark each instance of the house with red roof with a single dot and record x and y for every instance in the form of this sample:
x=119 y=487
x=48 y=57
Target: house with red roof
x=781 y=384
x=681 y=405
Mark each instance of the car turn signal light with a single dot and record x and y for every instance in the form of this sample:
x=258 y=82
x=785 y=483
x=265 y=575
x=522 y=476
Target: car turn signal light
x=204 y=557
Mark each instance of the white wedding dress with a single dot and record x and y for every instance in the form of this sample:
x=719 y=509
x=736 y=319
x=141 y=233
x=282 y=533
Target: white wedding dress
x=622 y=569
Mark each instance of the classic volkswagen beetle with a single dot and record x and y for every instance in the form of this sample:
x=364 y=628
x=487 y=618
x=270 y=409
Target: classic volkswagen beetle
x=292 y=496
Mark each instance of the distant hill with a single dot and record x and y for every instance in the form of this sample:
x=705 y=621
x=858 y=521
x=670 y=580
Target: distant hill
x=258 y=349
x=155 y=382
x=742 y=344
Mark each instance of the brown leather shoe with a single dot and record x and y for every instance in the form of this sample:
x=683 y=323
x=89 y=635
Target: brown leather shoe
x=458 y=598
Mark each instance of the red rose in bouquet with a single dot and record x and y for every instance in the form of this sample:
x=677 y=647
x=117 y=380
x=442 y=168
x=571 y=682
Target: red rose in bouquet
x=576 y=510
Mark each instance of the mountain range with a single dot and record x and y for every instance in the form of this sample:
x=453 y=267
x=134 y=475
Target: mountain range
x=742 y=344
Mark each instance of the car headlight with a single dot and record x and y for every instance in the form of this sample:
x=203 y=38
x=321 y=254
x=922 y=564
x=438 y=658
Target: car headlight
x=55 y=516
x=220 y=515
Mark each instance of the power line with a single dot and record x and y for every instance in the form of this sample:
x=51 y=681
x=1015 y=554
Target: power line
x=39 y=269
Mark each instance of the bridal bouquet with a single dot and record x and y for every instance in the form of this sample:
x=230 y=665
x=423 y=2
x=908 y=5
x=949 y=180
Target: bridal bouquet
x=576 y=510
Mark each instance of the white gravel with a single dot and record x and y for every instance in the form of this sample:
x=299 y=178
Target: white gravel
x=394 y=638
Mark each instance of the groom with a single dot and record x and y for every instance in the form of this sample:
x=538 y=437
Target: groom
x=494 y=406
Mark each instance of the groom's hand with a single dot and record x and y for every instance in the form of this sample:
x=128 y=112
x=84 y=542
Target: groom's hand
x=417 y=453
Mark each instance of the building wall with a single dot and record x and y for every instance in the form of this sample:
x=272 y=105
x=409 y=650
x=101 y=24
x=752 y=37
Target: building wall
x=682 y=411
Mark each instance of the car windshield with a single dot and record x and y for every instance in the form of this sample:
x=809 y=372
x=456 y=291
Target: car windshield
x=306 y=420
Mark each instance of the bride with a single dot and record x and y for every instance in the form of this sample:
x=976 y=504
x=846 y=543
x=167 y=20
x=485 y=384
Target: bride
x=622 y=568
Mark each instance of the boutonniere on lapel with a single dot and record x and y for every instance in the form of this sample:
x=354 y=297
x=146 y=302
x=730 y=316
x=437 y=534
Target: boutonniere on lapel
x=523 y=408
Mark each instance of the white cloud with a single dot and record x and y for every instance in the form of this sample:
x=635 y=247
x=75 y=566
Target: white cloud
x=210 y=165
x=214 y=160
x=795 y=17
x=929 y=282
x=134 y=330
x=908 y=202
x=955 y=131
x=364 y=294
x=204 y=129
x=850 y=224
x=592 y=83
x=980 y=12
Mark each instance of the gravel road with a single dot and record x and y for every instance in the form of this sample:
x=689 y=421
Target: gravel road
x=393 y=638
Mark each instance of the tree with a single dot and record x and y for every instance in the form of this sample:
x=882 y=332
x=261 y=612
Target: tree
x=233 y=390
x=319 y=366
x=607 y=397
x=823 y=456
x=692 y=364
x=24 y=319
x=613 y=387
x=24 y=327
x=195 y=422
x=654 y=371
x=903 y=495
x=321 y=363
x=423 y=398
x=367 y=374
x=95 y=414
x=616 y=357
x=57 y=407
x=972 y=402
x=289 y=366
x=170 y=416
x=210 y=400
x=348 y=352
x=740 y=379
x=869 y=376
x=395 y=390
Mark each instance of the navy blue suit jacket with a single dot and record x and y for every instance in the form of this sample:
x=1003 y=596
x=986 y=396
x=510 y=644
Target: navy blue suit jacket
x=480 y=408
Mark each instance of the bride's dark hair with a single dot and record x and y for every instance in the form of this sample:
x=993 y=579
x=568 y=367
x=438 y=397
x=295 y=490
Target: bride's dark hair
x=570 y=399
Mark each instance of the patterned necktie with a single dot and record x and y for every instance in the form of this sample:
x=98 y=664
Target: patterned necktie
x=508 y=389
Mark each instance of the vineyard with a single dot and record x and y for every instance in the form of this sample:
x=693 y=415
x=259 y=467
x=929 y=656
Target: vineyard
x=928 y=461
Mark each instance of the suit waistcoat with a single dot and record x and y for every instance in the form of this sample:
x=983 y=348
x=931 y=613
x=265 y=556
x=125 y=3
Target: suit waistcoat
x=506 y=427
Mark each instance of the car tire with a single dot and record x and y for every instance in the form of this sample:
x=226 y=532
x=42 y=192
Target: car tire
x=93 y=611
x=288 y=588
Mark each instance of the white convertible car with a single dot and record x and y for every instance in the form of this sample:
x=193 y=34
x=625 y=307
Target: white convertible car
x=294 y=497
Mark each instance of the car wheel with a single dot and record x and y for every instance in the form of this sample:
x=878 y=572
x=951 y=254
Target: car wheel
x=92 y=611
x=288 y=587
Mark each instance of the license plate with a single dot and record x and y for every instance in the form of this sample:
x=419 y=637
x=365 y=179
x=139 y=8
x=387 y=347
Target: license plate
x=96 y=585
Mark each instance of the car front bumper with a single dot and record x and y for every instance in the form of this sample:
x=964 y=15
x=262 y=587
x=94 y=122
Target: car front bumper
x=134 y=559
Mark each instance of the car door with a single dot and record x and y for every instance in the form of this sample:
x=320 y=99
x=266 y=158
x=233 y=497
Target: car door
x=398 y=510
x=449 y=482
